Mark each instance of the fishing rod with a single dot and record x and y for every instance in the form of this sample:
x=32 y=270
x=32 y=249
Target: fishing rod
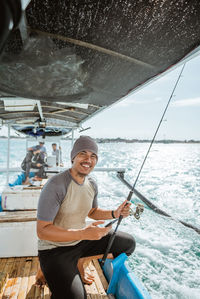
x=120 y=176
x=112 y=237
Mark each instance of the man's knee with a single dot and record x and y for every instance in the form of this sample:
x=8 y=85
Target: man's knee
x=131 y=244
x=124 y=243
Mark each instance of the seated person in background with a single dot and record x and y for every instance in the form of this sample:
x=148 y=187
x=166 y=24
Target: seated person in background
x=57 y=152
x=40 y=147
x=33 y=159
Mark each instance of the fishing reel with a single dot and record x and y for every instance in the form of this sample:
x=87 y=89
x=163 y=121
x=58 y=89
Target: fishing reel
x=138 y=211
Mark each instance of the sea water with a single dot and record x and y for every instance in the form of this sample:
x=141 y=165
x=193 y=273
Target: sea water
x=167 y=255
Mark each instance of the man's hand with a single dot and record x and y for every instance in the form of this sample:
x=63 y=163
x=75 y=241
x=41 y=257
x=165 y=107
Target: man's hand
x=38 y=165
x=94 y=232
x=123 y=209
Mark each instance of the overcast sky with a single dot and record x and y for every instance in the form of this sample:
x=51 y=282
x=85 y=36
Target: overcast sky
x=138 y=115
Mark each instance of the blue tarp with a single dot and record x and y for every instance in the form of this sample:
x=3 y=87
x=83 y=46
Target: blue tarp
x=0 y=205
x=20 y=179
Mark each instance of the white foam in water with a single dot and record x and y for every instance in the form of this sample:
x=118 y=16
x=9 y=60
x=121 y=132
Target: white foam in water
x=167 y=255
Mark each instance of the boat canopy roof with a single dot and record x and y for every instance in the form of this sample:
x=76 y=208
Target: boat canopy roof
x=68 y=60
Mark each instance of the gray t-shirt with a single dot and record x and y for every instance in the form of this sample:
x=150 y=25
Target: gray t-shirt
x=66 y=203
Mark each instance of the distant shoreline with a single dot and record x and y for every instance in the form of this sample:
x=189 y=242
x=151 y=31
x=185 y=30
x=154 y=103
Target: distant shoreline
x=109 y=140
x=117 y=140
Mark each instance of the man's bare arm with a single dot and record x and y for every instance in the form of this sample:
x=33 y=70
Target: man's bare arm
x=48 y=231
x=100 y=214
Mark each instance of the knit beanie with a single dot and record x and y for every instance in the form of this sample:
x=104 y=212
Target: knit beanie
x=84 y=143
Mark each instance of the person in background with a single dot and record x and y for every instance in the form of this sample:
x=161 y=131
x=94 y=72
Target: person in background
x=33 y=159
x=57 y=152
x=39 y=147
x=64 y=237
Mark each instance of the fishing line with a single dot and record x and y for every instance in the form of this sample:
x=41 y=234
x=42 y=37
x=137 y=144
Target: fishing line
x=112 y=237
x=152 y=141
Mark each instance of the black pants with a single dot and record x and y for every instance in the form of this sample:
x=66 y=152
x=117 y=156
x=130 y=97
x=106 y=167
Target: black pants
x=27 y=166
x=59 y=265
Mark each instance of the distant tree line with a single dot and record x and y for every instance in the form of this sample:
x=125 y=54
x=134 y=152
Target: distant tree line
x=112 y=140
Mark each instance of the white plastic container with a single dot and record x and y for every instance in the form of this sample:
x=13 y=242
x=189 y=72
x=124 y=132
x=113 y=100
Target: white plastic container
x=18 y=234
x=51 y=161
x=16 y=198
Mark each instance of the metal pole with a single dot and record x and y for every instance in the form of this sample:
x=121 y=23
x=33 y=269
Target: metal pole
x=72 y=137
x=59 y=153
x=26 y=144
x=8 y=156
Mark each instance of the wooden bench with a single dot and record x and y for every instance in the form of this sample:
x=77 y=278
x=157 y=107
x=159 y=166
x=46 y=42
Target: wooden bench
x=18 y=216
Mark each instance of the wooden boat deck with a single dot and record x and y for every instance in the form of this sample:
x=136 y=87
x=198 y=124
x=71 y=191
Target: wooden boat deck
x=17 y=274
x=17 y=279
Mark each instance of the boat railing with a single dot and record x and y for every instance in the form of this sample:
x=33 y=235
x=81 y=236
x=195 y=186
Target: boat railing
x=59 y=169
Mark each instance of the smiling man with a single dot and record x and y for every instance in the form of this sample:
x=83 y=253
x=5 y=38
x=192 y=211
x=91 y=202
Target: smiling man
x=64 y=237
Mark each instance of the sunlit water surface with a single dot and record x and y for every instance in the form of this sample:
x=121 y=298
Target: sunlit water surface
x=167 y=256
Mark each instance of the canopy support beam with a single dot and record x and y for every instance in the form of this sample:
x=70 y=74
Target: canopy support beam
x=8 y=156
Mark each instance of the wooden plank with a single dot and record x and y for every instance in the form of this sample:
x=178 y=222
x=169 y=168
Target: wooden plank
x=17 y=282
x=2 y=263
x=4 y=275
x=32 y=188
x=98 y=282
x=7 y=270
x=100 y=273
x=33 y=291
x=9 y=264
x=24 y=280
x=38 y=293
x=31 y=279
x=11 y=278
x=90 y=289
x=18 y=216
x=47 y=293
x=3 y=279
